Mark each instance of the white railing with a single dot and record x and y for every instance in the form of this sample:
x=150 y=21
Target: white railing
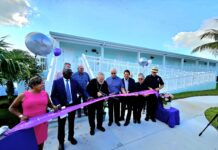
x=193 y=79
x=105 y=65
x=51 y=73
x=174 y=78
x=86 y=66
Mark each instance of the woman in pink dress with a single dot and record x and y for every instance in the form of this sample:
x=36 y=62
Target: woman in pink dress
x=34 y=102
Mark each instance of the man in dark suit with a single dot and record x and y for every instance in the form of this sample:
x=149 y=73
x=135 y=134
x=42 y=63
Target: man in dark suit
x=97 y=88
x=64 y=93
x=129 y=86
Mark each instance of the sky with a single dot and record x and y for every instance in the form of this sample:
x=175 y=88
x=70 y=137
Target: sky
x=168 y=25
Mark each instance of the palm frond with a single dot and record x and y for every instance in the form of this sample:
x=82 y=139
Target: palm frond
x=210 y=47
x=4 y=44
x=212 y=34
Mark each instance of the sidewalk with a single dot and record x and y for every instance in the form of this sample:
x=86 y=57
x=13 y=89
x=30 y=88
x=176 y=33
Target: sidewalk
x=148 y=135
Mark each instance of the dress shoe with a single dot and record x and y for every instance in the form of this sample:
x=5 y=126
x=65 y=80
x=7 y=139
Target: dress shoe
x=73 y=141
x=110 y=123
x=153 y=119
x=134 y=121
x=139 y=121
x=92 y=132
x=118 y=124
x=126 y=123
x=61 y=146
x=101 y=128
x=147 y=118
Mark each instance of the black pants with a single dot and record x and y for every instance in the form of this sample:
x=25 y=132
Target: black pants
x=91 y=114
x=114 y=109
x=123 y=106
x=138 y=106
x=61 y=127
x=85 y=108
x=151 y=106
x=129 y=103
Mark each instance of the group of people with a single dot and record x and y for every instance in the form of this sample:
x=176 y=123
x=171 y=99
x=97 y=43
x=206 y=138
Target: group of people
x=70 y=88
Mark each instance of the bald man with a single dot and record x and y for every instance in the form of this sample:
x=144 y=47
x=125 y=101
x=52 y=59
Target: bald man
x=115 y=86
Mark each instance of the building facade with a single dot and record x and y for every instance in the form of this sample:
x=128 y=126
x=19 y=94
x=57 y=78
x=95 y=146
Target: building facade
x=99 y=55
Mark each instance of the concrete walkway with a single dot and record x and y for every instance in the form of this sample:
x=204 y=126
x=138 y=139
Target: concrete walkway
x=148 y=135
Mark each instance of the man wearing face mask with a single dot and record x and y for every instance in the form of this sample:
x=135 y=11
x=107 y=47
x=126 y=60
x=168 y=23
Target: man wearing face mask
x=64 y=93
x=97 y=88
x=155 y=82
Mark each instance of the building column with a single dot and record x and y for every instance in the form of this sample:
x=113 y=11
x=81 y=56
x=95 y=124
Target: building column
x=102 y=52
x=208 y=65
x=138 y=55
x=216 y=69
x=196 y=65
x=182 y=63
x=101 y=58
x=164 y=61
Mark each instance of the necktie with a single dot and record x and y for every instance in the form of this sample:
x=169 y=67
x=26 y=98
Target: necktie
x=69 y=98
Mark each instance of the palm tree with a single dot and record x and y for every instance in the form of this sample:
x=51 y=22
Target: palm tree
x=211 y=47
x=3 y=44
x=15 y=65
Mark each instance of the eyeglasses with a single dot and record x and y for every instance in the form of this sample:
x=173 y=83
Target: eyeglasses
x=140 y=78
x=113 y=73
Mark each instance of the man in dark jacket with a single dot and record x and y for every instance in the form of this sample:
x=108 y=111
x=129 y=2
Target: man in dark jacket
x=64 y=93
x=140 y=100
x=155 y=82
x=129 y=86
x=97 y=88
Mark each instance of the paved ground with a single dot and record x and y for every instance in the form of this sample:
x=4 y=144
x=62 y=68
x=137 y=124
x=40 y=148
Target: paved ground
x=148 y=135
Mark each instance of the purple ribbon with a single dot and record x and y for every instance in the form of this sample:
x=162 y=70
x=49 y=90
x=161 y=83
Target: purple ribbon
x=34 y=121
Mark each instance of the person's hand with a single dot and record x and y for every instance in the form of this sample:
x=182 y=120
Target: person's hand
x=24 y=118
x=89 y=98
x=157 y=89
x=99 y=94
x=150 y=88
x=145 y=95
x=56 y=108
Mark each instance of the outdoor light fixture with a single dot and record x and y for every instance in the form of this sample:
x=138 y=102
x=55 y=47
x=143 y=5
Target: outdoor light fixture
x=94 y=50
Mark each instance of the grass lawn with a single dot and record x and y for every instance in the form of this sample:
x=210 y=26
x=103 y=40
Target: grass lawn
x=3 y=100
x=196 y=93
x=210 y=113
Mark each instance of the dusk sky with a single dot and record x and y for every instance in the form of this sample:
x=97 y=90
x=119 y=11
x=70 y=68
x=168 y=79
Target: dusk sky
x=169 y=25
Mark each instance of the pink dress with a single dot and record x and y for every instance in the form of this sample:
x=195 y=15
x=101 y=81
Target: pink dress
x=35 y=104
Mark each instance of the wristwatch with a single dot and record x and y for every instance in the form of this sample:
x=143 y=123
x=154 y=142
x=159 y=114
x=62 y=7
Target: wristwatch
x=20 y=116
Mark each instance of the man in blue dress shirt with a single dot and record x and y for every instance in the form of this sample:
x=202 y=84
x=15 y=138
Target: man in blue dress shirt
x=83 y=79
x=115 y=86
